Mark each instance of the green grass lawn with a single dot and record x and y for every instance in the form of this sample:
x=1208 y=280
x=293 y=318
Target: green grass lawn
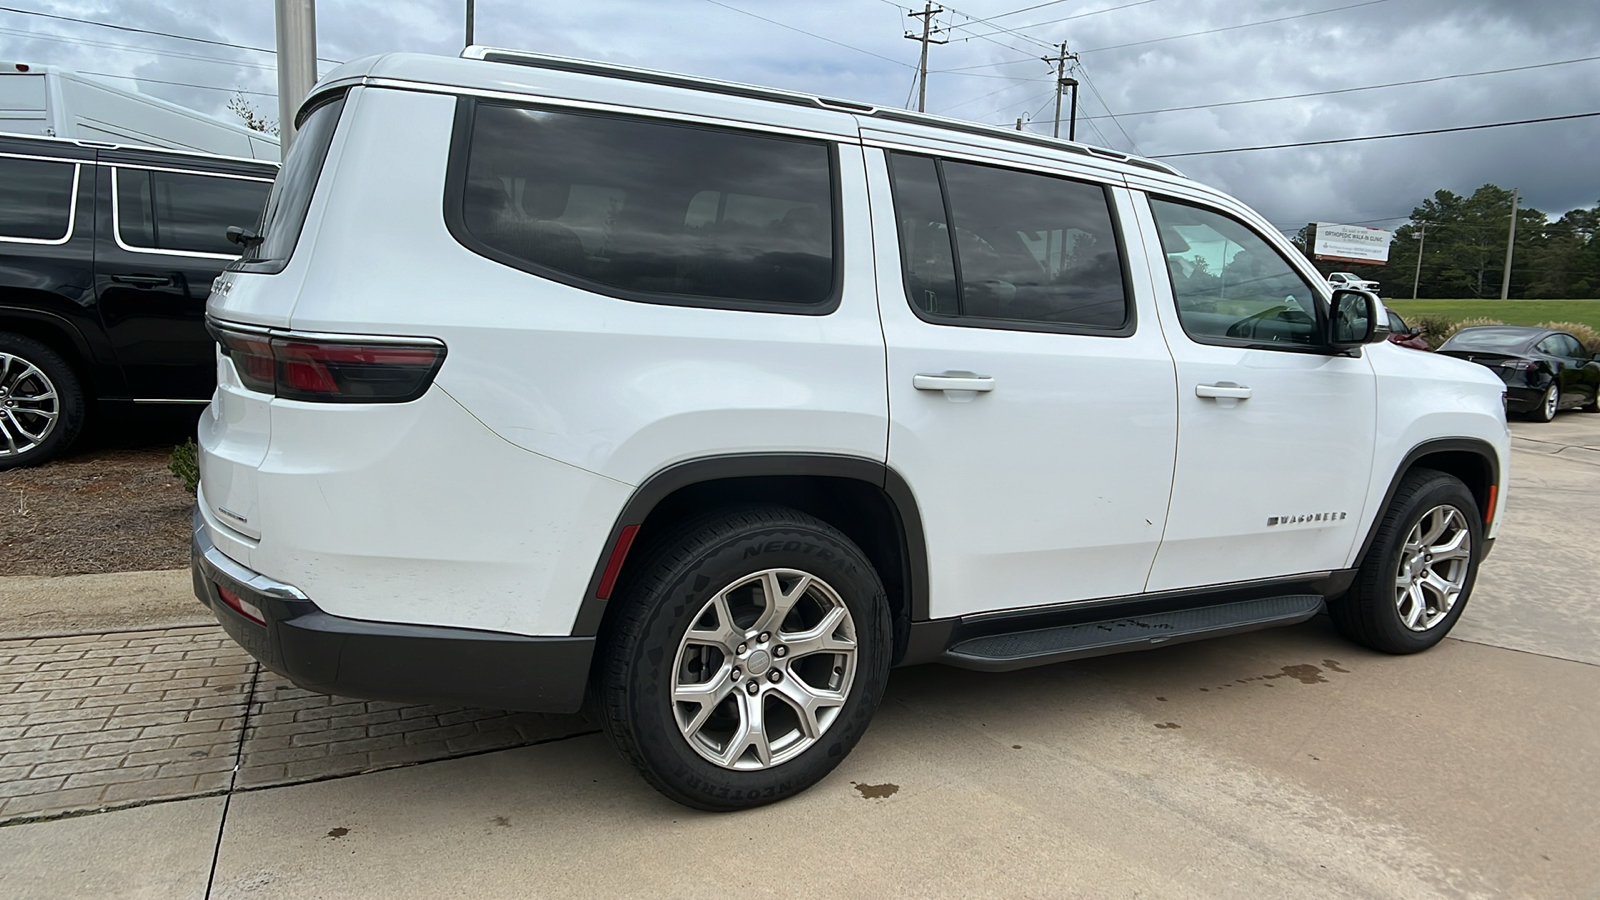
x=1511 y=312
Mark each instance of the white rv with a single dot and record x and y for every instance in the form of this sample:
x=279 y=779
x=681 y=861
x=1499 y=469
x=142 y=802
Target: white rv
x=40 y=100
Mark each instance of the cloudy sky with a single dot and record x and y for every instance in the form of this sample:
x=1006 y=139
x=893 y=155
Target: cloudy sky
x=1220 y=63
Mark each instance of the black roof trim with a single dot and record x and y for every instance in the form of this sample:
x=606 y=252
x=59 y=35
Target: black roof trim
x=752 y=92
x=222 y=165
x=582 y=67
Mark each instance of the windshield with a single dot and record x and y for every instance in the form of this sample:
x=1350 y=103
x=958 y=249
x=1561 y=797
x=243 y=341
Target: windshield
x=1491 y=339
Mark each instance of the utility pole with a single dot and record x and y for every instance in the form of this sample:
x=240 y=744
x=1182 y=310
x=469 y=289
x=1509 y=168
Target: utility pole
x=297 y=61
x=1062 y=81
x=1422 y=242
x=1511 y=242
x=470 y=11
x=927 y=14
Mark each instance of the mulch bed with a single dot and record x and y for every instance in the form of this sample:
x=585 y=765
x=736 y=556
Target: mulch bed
x=106 y=509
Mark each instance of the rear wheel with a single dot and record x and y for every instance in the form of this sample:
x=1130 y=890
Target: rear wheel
x=1417 y=575
x=1546 y=410
x=751 y=653
x=41 y=403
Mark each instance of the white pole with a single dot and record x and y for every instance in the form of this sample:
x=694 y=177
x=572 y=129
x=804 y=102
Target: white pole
x=297 y=62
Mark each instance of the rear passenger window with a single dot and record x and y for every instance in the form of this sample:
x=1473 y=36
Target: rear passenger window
x=1230 y=285
x=1029 y=250
x=36 y=199
x=648 y=210
x=185 y=213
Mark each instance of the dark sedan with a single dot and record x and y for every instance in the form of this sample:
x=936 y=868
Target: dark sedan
x=1544 y=370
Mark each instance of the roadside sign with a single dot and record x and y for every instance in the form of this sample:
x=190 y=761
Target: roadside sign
x=1352 y=243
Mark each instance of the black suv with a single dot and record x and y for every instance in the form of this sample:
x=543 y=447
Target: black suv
x=107 y=254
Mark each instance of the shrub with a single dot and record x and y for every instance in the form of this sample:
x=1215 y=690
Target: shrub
x=1434 y=329
x=185 y=464
x=1588 y=337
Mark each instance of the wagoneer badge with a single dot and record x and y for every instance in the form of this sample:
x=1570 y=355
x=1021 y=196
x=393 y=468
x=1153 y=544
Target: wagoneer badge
x=1308 y=517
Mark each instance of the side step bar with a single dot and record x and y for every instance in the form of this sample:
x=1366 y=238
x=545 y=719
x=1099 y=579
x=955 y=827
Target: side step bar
x=1021 y=649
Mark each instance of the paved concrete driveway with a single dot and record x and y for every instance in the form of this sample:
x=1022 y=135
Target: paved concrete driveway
x=1278 y=764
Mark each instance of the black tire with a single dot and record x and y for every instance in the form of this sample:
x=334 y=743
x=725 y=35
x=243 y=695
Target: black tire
x=1370 y=613
x=54 y=375
x=1549 y=402
x=639 y=655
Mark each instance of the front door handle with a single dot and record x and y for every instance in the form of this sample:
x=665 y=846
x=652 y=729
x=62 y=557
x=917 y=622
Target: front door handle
x=143 y=280
x=1221 y=390
x=953 y=381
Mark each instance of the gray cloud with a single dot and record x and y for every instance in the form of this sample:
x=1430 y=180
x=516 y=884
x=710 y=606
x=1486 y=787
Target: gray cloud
x=997 y=77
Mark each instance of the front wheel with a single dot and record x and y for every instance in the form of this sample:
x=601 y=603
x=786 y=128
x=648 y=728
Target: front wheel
x=751 y=653
x=1415 y=579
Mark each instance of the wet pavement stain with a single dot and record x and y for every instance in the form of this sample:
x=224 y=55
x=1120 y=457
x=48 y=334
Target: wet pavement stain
x=1016 y=746
x=1168 y=725
x=1333 y=666
x=876 y=791
x=500 y=821
x=337 y=833
x=1306 y=674
x=1163 y=699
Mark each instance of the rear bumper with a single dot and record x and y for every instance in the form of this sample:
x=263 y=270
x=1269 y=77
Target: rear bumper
x=384 y=661
x=1521 y=399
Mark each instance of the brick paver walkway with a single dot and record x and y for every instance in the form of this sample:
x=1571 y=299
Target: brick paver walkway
x=103 y=721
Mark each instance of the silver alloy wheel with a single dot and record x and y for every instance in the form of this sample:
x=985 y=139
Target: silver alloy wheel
x=29 y=406
x=1552 y=399
x=764 y=669
x=1433 y=567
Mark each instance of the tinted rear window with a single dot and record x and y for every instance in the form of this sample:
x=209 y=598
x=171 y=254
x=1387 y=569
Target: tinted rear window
x=186 y=213
x=285 y=213
x=1488 y=339
x=648 y=210
x=35 y=198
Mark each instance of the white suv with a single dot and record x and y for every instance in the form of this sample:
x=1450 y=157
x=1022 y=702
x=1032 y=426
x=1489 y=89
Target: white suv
x=549 y=382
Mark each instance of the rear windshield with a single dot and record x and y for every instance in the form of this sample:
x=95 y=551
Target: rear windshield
x=1487 y=339
x=285 y=213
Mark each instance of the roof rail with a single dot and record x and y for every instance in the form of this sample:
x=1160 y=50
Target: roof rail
x=794 y=98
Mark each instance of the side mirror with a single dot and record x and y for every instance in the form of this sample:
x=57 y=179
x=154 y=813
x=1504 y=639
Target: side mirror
x=1353 y=319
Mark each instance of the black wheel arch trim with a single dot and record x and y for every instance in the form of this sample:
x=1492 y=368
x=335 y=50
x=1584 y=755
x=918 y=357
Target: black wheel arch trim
x=1476 y=446
x=60 y=324
x=665 y=482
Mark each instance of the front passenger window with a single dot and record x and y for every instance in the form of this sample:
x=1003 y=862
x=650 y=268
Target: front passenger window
x=1230 y=285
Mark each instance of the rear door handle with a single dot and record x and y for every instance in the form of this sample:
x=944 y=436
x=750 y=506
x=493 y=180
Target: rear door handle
x=953 y=381
x=143 y=280
x=1222 y=389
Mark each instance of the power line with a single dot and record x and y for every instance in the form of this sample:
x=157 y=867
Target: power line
x=130 y=28
x=1174 y=37
x=203 y=87
x=1094 y=12
x=1370 y=87
x=115 y=46
x=745 y=12
x=1114 y=120
x=1380 y=137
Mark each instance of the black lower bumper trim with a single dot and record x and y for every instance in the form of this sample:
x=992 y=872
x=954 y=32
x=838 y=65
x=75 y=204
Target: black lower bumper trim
x=385 y=661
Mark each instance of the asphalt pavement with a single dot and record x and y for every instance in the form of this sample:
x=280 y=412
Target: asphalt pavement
x=1284 y=763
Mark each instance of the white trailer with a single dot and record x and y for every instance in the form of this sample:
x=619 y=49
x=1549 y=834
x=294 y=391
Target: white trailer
x=42 y=100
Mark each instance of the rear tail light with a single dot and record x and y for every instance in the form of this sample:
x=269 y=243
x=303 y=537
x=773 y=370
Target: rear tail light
x=1520 y=365
x=333 y=369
